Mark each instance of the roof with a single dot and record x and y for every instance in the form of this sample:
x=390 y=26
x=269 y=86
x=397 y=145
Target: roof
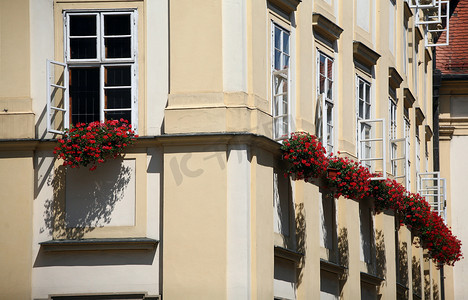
x=453 y=59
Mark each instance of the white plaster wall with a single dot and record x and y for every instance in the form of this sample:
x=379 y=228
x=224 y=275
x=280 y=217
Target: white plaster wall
x=458 y=167
x=234 y=45
x=157 y=68
x=238 y=224
x=362 y=14
x=42 y=48
x=104 y=197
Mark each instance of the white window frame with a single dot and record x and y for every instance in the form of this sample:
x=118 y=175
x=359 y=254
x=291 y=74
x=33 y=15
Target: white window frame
x=392 y=134
x=443 y=17
x=432 y=187
x=417 y=149
x=99 y=62
x=54 y=84
x=280 y=116
x=407 y=135
x=325 y=103
x=367 y=135
x=405 y=47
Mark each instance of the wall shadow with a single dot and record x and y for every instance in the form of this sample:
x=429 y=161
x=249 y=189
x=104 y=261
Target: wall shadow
x=380 y=258
x=301 y=237
x=403 y=263
x=417 y=280
x=97 y=205
x=94 y=258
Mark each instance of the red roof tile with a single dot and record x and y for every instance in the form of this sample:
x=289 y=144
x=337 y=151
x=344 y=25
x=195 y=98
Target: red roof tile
x=453 y=59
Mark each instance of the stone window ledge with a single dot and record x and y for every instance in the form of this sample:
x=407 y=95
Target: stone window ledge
x=146 y=244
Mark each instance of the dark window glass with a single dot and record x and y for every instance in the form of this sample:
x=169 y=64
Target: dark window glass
x=118 y=76
x=118 y=47
x=116 y=24
x=84 y=95
x=117 y=115
x=118 y=98
x=82 y=25
x=83 y=48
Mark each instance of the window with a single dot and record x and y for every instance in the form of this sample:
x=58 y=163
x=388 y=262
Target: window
x=418 y=151
x=280 y=82
x=392 y=112
x=407 y=129
x=100 y=67
x=364 y=113
x=405 y=46
x=325 y=103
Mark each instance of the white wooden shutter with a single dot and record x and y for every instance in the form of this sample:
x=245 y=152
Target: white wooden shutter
x=57 y=97
x=377 y=143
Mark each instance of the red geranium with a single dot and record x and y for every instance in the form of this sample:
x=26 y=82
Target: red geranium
x=93 y=143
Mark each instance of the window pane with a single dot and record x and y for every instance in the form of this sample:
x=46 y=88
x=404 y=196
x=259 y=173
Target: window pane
x=329 y=90
x=277 y=60
x=82 y=25
x=84 y=95
x=286 y=42
x=118 y=98
x=285 y=61
x=361 y=109
x=83 y=48
x=322 y=65
x=321 y=84
x=117 y=115
x=118 y=47
x=116 y=24
x=277 y=38
x=330 y=69
x=361 y=90
x=118 y=76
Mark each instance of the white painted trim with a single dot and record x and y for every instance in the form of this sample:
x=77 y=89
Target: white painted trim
x=234 y=45
x=238 y=223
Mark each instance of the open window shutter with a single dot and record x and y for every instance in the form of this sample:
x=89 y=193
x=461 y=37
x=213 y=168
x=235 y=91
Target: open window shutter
x=57 y=97
x=400 y=159
x=377 y=141
x=432 y=187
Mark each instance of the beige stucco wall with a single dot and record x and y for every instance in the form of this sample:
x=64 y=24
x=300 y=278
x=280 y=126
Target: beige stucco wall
x=16 y=226
x=16 y=118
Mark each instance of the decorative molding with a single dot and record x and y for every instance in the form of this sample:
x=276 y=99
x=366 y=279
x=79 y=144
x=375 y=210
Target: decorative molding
x=287 y=6
x=418 y=34
x=288 y=254
x=408 y=13
x=371 y=279
x=364 y=54
x=129 y=296
x=446 y=132
x=409 y=98
x=100 y=244
x=325 y=27
x=332 y=267
x=394 y=78
x=427 y=55
x=401 y=289
x=429 y=133
x=419 y=115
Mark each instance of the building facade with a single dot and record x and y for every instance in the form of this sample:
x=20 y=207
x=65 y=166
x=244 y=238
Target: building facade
x=451 y=94
x=199 y=207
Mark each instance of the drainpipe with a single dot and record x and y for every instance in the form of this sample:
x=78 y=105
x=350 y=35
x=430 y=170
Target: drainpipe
x=436 y=81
